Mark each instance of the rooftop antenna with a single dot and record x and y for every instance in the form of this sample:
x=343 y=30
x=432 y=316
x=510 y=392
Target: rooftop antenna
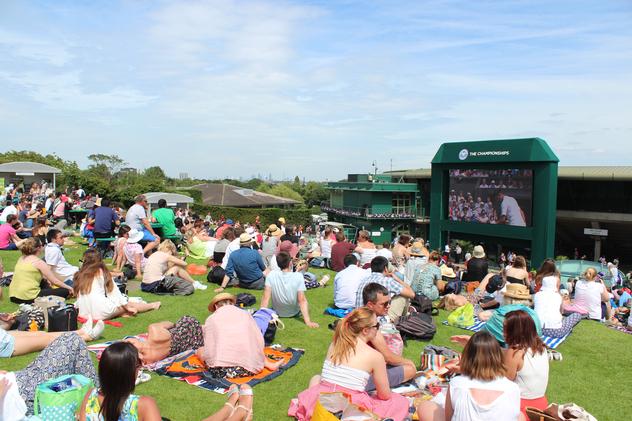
x=374 y=165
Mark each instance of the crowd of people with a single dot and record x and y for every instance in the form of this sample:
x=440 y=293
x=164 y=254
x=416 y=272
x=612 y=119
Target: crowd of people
x=503 y=369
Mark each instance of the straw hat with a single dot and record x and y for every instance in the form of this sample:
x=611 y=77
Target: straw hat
x=135 y=236
x=448 y=272
x=417 y=249
x=245 y=239
x=221 y=297
x=274 y=230
x=282 y=220
x=517 y=291
x=479 y=252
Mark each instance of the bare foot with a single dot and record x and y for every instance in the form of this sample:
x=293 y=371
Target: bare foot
x=273 y=366
x=156 y=305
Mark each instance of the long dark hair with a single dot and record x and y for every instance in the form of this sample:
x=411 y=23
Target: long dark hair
x=117 y=374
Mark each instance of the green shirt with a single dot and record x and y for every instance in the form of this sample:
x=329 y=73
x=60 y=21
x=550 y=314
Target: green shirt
x=165 y=216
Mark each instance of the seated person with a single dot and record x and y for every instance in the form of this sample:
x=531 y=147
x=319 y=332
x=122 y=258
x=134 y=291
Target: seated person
x=97 y=295
x=477 y=266
x=548 y=306
x=400 y=292
x=245 y=267
x=165 y=216
x=119 y=259
x=55 y=258
x=33 y=278
x=165 y=339
x=134 y=254
x=286 y=289
x=164 y=272
x=199 y=243
x=365 y=248
x=136 y=218
x=65 y=354
x=481 y=391
x=398 y=369
x=9 y=239
x=349 y=365
x=385 y=251
x=311 y=282
x=113 y=399
x=425 y=278
x=347 y=281
x=225 y=354
x=590 y=293
x=105 y=219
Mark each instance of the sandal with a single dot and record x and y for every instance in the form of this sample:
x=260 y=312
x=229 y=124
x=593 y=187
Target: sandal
x=231 y=391
x=246 y=392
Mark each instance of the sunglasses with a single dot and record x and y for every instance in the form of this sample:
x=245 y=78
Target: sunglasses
x=386 y=304
x=375 y=326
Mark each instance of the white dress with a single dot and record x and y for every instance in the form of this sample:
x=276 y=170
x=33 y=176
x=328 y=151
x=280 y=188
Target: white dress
x=506 y=407
x=99 y=304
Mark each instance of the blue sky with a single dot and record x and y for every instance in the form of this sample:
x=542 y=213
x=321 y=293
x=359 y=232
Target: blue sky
x=317 y=89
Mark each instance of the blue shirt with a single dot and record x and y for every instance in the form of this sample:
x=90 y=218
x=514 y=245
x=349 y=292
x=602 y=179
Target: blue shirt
x=246 y=264
x=104 y=217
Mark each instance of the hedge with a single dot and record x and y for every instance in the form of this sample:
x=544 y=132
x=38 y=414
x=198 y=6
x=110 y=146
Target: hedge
x=298 y=216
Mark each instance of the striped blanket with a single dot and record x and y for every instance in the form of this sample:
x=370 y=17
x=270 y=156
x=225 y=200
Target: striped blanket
x=551 y=343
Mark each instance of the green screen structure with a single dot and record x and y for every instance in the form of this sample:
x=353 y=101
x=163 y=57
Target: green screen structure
x=502 y=191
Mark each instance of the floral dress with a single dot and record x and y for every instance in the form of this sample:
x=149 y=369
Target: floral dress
x=129 y=412
x=424 y=279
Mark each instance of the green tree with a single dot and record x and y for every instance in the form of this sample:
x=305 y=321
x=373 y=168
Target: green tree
x=314 y=193
x=106 y=166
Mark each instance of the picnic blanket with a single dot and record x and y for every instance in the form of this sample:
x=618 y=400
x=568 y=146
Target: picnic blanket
x=548 y=341
x=621 y=329
x=187 y=367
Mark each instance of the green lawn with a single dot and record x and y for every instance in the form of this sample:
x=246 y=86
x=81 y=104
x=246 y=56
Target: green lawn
x=593 y=374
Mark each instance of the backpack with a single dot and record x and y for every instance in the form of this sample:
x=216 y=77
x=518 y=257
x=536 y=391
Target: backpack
x=59 y=398
x=423 y=304
x=453 y=287
x=245 y=300
x=417 y=326
x=216 y=275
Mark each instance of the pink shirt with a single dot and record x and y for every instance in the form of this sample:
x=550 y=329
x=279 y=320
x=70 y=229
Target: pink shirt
x=232 y=339
x=6 y=232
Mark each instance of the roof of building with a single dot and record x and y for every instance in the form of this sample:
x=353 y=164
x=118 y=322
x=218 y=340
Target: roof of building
x=620 y=173
x=229 y=195
x=154 y=197
x=28 y=167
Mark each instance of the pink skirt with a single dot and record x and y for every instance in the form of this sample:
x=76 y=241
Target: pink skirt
x=396 y=407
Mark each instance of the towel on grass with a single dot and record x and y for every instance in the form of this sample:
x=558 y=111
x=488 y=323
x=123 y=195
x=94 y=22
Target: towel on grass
x=187 y=367
x=548 y=341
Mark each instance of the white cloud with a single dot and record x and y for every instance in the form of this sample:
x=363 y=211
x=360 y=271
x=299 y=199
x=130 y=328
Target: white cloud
x=64 y=91
x=37 y=50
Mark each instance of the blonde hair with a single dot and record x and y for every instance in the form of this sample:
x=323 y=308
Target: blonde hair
x=347 y=332
x=449 y=302
x=167 y=246
x=30 y=246
x=590 y=274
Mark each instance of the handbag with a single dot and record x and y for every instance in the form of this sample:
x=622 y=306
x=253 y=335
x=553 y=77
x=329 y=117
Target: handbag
x=59 y=398
x=245 y=300
x=462 y=316
x=62 y=319
x=46 y=302
x=535 y=414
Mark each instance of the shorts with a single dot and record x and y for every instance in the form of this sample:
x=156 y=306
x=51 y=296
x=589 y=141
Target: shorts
x=7 y=344
x=147 y=236
x=395 y=375
x=186 y=334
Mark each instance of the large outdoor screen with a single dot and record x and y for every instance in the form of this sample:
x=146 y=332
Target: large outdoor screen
x=500 y=196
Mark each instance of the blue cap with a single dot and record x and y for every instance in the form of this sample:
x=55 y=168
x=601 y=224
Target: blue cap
x=16 y=201
x=229 y=221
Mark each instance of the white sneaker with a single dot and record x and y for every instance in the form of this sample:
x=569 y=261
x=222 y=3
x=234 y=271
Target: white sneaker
x=198 y=285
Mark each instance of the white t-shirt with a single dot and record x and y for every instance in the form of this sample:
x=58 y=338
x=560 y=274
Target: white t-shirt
x=134 y=216
x=346 y=285
x=510 y=209
x=9 y=210
x=285 y=287
x=505 y=407
x=588 y=297
x=54 y=257
x=547 y=306
x=385 y=253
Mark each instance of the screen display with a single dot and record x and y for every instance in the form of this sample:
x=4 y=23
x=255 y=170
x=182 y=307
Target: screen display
x=500 y=196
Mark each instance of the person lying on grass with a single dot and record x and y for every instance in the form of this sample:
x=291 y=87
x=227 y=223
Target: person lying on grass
x=233 y=343
x=165 y=339
x=97 y=295
x=286 y=289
